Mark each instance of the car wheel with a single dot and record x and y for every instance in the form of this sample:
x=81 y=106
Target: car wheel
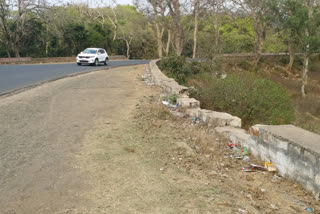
x=106 y=61
x=78 y=63
x=96 y=63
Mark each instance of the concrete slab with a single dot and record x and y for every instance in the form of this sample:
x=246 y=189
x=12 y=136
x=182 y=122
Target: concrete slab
x=295 y=135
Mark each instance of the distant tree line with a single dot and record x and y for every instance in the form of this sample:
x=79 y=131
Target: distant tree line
x=158 y=28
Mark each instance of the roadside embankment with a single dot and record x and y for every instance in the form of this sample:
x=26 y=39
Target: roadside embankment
x=295 y=152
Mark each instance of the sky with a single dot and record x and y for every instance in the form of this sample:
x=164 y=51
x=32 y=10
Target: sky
x=124 y=1
x=94 y=3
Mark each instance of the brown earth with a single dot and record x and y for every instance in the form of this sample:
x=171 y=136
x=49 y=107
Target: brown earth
x=102 y=143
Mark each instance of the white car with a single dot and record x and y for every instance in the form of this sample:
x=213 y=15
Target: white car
x=93 y=56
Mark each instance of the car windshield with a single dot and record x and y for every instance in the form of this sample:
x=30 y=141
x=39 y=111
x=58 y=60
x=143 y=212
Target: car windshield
x=89 y=51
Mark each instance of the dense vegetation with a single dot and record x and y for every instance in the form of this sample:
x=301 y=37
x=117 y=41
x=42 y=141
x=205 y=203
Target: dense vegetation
x=247 y=95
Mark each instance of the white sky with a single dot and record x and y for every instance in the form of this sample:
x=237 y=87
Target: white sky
x=95 y=3
x=124 y=2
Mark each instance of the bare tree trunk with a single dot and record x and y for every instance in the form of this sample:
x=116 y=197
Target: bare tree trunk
x=8 y=52
x=7 y=49
x=159 y=40
x=292 y=57
x=195 y=33
x=259 y=45
x=17 y=48
x=217 y=35
x=128 y=43
x=168 y=42
x=306 y=53
x=128 y=49
x=47 y=42
x=260 y=36
x=305 y=73
x=178 y=39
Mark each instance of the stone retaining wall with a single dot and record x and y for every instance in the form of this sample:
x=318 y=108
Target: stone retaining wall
x=192 y=106
x=294 y=151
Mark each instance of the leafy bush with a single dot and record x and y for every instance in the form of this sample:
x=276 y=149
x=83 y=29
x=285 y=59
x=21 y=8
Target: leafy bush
x=173 y=98
x=245 y=64
x=284 y=60
x=252 y=98
x=177 y=68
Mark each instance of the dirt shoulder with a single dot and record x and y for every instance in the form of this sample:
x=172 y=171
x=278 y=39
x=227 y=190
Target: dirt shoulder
x=103 y=143
x=154 y=162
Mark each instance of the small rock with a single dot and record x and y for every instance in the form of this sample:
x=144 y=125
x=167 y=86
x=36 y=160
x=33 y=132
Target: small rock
x=263 y=190
x=246 y=159
x=249 y=196
x=197 y=148
x=273 y=206
x=161 y=169
x=207 y=156
x=225 y=175
x=212 y=173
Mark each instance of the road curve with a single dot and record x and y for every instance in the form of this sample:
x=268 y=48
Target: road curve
x=13 y=77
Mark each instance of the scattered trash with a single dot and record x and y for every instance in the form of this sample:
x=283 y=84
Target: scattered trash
x=270 y=167
x=248 y=169
x=195 y=120
x=258 y=167
x=263 y=190
x=253 y=168
x=246 y=159
x=166 y=103
x=242 y=211
x=231 y=145
x=174 y=107
x=244 y=151
x=161 y=169
x=309 y=209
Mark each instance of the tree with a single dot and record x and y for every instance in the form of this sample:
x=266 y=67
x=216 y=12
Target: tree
x=258 y=11
x=300 y=20
x=177 y=28
x=131 y=25
x=14 y=16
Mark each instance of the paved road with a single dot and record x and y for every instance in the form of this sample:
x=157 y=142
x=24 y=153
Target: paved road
x=41 y=137
x=18 y=76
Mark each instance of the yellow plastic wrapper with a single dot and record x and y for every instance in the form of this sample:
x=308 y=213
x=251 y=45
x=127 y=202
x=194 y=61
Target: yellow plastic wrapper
x=270 y=166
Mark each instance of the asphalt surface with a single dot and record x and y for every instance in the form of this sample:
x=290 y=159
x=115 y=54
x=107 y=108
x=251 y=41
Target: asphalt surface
x=13 y=77
x=43 y=162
